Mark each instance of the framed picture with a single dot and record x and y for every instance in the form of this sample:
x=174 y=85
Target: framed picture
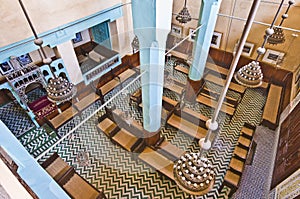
x=192 y=34
x=78 y=38
x=24 y=59
x=248 y=48
x=6 y=68
x=273 y=56
x=176 y=30
x=216 y=40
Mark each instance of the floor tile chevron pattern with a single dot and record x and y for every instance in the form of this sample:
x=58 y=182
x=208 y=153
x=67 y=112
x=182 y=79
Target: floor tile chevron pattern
x=119 y=173
x=18 y=122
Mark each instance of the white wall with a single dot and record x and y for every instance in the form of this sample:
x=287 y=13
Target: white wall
x=68 y=55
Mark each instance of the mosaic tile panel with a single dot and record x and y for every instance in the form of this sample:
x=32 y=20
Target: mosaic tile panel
x=37 y=140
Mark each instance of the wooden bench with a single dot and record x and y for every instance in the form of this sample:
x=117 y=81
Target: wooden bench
x=107 y=126
x=213 y=104
x=232 y=180
x=55 y=166
x=182 y=69
x=180 y=55
x=62 y=118
x=133 y=127
x=177 y=82
x=229 y=100
x=215 y=98
x=237 y=165
x=86 y=101
x=176 y=88
x=248 y=130
x=126 y=74
x=217 y=69
x=168 y=149
x=157 y=161
x=221 y=82
x=168 y=103
x=194 y=117
x=272 y=107
x=244 y=142
x=109 y=86
x=77 y=187
x=187 y=127
x=128 y=141
x=240 y=152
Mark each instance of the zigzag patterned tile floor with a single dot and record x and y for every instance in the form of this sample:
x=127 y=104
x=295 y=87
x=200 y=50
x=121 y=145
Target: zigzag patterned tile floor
x=18 y=122
x=121 y=175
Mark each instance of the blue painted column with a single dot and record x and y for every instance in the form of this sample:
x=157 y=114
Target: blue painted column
x=207 y=17
x=152 y=23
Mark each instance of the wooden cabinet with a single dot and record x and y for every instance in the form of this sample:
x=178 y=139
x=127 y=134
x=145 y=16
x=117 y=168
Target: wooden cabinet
x=288 y=150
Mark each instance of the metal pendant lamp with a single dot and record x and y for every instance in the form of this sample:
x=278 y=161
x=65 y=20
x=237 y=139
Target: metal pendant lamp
x=251 y=75
x=184 y=16
x=58 y=89
x=278 y=36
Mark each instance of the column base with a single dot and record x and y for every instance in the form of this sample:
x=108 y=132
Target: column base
x=152 y=138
